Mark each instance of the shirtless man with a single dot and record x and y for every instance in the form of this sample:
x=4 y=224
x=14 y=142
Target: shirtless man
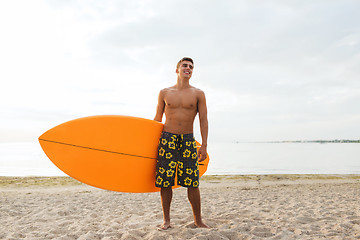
x=177 y=147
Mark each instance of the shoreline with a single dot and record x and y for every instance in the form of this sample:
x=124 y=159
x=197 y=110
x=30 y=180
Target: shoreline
x=61 y=181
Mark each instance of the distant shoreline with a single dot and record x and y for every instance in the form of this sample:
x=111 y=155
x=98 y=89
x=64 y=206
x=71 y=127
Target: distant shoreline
x=305 y=141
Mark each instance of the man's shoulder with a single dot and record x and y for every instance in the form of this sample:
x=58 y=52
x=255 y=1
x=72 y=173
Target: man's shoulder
x=198 y=91
x=165 y=90
x=195 y=89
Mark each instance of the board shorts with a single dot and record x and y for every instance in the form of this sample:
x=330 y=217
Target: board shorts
x=177 y=156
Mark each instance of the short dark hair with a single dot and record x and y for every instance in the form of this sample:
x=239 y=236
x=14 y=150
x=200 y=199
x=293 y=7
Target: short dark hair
x=184 y=59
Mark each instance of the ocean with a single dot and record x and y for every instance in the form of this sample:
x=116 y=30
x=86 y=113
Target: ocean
x=285 y=158
x=28 y=159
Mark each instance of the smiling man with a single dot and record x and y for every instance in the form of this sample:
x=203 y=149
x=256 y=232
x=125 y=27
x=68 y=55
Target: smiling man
x=177 y=147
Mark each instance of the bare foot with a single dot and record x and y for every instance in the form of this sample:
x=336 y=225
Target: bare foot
x=164 y=226
x=201 y=225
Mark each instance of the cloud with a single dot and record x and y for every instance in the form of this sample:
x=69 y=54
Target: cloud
x=269 y=69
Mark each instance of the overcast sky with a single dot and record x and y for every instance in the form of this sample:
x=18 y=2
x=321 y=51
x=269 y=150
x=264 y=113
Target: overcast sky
x=271 y=70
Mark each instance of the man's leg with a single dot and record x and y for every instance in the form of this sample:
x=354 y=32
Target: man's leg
x=166 y=197
x=194 y=198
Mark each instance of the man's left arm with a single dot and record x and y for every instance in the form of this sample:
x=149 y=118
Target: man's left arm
x=203 y=125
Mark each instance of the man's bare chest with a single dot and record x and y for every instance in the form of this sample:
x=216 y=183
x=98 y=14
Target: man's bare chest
x=173 y=100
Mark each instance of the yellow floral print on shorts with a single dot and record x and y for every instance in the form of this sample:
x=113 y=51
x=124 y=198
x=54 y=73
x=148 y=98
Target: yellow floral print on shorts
x=177 y=156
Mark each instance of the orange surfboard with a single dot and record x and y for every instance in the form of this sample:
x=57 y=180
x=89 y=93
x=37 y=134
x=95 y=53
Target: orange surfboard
x=111 y=152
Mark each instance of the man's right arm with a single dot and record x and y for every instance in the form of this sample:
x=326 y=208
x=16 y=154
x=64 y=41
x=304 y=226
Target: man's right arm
x=160 y=107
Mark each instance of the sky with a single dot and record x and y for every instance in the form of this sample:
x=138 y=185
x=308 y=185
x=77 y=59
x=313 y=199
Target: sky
x=271 y=70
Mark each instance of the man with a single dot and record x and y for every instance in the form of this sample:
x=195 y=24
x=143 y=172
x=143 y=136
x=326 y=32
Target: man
x=177 y=148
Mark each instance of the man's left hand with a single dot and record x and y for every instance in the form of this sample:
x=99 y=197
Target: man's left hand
x=202 y=153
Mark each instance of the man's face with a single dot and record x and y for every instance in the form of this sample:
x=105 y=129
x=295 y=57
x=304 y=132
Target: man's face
x=185 y=69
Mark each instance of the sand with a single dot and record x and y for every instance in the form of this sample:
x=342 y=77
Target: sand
x=236 y=207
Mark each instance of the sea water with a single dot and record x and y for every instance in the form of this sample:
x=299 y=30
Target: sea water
x=28 y=159
x=25 y=159
x=284 y=158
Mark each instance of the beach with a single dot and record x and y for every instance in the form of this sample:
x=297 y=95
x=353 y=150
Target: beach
x=235 y=206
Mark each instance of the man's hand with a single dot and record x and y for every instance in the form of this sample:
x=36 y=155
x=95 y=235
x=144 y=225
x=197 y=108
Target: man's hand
x=202 y=153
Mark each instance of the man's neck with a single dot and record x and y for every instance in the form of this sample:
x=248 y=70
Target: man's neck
x=182 y=83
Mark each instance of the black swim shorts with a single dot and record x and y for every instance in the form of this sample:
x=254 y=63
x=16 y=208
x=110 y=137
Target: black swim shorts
x=177 y=156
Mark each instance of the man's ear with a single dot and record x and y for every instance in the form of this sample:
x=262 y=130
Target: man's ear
x=177 y=70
